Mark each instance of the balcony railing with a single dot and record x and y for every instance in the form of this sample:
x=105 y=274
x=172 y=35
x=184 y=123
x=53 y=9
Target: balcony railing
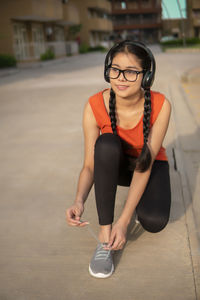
x=136 y=5
x=135 y=21
x=137 y=26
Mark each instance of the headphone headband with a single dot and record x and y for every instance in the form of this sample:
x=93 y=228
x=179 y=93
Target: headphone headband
x=148 y=76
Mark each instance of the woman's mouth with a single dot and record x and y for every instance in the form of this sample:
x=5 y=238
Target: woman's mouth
x=122 y=87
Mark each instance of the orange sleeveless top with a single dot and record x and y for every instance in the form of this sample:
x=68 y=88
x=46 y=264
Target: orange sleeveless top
x=133 y=136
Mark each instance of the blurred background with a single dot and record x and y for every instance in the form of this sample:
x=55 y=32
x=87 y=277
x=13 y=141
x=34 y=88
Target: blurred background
x=34 y=30
x=52 y=56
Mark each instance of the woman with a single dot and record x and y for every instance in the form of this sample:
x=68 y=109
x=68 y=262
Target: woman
x=124 y=128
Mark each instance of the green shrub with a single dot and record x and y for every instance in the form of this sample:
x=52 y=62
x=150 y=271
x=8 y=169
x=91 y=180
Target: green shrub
x=193 y=41
x=97 y=48
x=179 y=42
x=7 y=60
x=49 y=54
x=84 y=48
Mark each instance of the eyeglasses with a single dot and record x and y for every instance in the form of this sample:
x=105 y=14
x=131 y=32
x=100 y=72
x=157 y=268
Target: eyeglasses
x=129 y=75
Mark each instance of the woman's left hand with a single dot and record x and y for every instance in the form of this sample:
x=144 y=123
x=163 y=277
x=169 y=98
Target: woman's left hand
x=118 y=236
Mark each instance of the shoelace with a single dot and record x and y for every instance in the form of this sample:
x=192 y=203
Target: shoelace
x=96 y=238
x=102 y=253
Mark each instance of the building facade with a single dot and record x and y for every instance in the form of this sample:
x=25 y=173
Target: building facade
x=174 y=27
x=95 y=17
x=137 y=19
x=30 y=27
x=190 y=25
x=193 y=12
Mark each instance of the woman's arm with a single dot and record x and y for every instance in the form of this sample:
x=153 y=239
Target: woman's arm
x=85 y=182
x=140 y=180
x=91 y=133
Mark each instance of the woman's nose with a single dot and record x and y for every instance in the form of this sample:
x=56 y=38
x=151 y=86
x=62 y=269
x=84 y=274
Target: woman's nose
x=121 y=77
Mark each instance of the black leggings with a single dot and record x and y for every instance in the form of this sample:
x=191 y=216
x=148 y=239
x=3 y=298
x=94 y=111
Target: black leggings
x=110 y=170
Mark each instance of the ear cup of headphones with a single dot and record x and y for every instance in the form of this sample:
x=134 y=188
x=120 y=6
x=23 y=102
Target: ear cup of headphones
x=147 y=79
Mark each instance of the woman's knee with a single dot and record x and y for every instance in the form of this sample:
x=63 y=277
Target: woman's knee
x=153 y=223
x=107 y=146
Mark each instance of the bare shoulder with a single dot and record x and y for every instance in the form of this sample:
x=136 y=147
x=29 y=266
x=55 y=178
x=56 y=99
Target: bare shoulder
x=164 y=115
x=167 y=103
x=88 y=116
x=166 y=109
x=87 y=108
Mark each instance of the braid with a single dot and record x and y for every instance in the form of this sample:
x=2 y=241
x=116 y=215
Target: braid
x=144 y=160
x=147 y=114
x=112 y=102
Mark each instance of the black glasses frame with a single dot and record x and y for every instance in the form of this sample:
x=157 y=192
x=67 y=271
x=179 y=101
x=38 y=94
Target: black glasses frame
x=123 y=72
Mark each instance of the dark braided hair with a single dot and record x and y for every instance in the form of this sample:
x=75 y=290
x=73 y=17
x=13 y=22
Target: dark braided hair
x=112 y=102
x=143 y=162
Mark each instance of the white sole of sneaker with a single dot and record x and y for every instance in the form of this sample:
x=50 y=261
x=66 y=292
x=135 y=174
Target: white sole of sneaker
x=101 y=275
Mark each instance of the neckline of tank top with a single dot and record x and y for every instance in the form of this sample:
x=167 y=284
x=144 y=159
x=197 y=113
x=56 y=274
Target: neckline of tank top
x=119 y=127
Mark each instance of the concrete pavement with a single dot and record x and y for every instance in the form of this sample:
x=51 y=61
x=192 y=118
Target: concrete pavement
x=41 y=155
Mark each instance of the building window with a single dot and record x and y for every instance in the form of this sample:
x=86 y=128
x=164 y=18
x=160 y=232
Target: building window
x=123 y=5
x=105 y=16
x=92 y=13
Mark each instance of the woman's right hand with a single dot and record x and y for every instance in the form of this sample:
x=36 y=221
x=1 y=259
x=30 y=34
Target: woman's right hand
x=74 y=213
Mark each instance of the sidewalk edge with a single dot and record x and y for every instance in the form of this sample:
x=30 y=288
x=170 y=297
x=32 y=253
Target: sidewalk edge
x=193 y=240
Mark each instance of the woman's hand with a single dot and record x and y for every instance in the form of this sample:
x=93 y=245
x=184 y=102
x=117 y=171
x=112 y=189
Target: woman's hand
x=118 y=236
x=74 y=213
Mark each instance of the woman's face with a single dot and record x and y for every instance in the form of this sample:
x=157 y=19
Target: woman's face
x=122 y=87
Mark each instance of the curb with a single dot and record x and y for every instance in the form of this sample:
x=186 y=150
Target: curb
x=8 y=72
x=187 y=194
x=32 y=65
x=39 y=64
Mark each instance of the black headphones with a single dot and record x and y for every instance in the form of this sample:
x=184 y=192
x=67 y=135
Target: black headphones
x=148 y=76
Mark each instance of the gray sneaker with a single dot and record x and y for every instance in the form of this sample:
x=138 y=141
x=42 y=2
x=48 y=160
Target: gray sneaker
x=101 y=265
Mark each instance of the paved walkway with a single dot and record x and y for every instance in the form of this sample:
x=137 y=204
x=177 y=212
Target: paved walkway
x=41 y=154
x=191 y=85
